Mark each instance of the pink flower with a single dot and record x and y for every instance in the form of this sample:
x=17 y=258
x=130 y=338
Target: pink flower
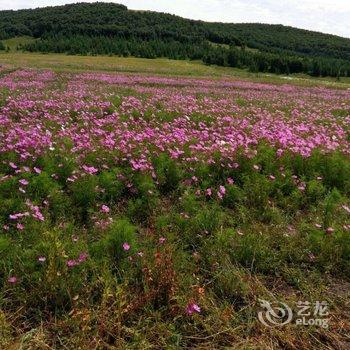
x=82 y=257
x=90 y=169
x=162 y=240
x=126 y=246
x=105 y=209
x=208 y=192
x=37 y=170
x=222 y=190
x=41 y=259
x=330 y=230
x=20 y=226
x=12 y=280
x=23 y=182
x=71 y=263
x=192 y=308
x=346 y=208
x=230 y=181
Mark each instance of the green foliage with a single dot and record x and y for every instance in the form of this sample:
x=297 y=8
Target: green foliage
x=167 y=173
x=329 y=207
x=5 y=245
x=113 y=189
x=142 y=205
x=84 y=194
x=234 y=196
x=111 y=246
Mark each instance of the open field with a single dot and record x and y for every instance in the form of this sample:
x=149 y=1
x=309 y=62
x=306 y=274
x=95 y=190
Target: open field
x=152 y=204
x=13 y=44
x=159 y=66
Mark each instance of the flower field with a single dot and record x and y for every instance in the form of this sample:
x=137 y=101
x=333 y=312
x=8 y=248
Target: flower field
x=141 y=211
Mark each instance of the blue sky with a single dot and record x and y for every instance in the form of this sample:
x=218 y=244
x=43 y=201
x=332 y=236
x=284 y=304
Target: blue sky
x=320 y=15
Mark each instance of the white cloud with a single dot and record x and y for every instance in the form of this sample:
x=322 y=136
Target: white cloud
x=320 y=15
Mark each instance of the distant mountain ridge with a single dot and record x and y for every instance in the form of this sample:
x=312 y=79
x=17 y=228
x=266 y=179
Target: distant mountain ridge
x=109 y=28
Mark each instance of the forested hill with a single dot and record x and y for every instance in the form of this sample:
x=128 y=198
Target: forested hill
x=108 y=28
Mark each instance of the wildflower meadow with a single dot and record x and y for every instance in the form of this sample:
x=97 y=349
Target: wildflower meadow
x=146 y=211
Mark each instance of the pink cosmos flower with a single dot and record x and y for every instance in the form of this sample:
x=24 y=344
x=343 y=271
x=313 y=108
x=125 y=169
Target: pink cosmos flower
x=230 y=181
x=222 y=190
x=208 y=192
x=105 y=209
x=71 y=263
x=126 y=246
x=12 y=279
x=330 y=230
x=192 y=308
x=346 y=208
x=279 y=152
x=82 y=257
x=301 y=187
x=90 y=169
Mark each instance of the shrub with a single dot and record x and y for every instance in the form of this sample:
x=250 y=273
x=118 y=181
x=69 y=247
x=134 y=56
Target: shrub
x=111 y=246
x=84 y=195
x=113 y=189
x=168 y=174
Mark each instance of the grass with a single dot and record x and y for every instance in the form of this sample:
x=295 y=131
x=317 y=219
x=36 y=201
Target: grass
x=161 y=66
x=14 y=43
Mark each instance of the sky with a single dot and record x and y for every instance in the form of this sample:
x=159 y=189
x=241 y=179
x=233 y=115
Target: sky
x=328 y=16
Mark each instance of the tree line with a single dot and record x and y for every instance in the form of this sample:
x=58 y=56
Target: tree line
x=111 y=29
